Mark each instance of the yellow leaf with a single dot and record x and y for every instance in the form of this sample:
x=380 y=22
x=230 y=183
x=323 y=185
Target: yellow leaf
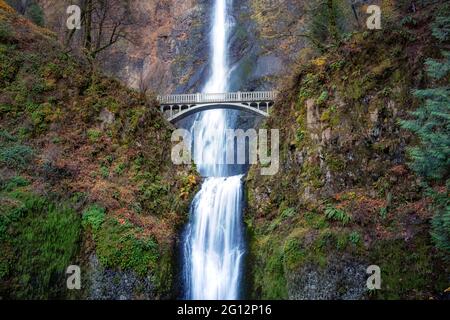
x=319 y=61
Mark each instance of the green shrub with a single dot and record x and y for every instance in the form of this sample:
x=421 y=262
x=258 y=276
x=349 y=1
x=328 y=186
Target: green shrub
x=152 y=194
x=39 y=240
x=41 y=117
x=322 y=98
x=6 y=33
x=120 y=168
x=6 y=137
x=15 y=182
x=104 y=171
x=94 y=135
x=35 y=13
x=408 y=21
x=5 y=108
x=117 y=244
x=293 y=254
x=118 y=247
x=273 y=277
x=93 y=217
x=406 y=268
x=39 y=86
x=15 y=156
x=354 y=237
x=10 y=61
x=441 y=224
x=341 y=241
x=299 y=136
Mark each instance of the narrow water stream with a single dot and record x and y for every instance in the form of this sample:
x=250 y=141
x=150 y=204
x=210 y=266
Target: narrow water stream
x=213 y=243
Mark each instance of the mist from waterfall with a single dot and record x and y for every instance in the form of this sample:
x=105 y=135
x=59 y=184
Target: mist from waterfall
x=213 y=240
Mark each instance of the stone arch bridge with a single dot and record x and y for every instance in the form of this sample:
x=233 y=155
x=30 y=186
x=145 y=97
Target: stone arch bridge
x=178 y=106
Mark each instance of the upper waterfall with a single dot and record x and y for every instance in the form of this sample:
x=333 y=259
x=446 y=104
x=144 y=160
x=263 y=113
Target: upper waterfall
x=209 y=143
x=218 y=81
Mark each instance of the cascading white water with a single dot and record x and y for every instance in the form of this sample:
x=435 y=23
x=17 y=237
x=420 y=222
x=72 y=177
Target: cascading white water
x=213 y=247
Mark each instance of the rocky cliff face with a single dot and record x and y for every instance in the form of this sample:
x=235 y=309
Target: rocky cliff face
x=264 y=45
x=168 y=51
x=270 y=37
x=344 y=198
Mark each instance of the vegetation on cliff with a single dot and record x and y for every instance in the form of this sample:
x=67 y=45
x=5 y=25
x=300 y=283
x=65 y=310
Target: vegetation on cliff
x=345 y=197
x=84 y=170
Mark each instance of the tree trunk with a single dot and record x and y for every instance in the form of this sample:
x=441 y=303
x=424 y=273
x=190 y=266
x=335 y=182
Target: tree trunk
x=88 y=25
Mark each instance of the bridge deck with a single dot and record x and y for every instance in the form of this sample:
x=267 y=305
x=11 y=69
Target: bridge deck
x=217 y=97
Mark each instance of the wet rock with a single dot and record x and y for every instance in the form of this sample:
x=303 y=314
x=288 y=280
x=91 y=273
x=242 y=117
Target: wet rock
x=340 y=279
x=326 y=136
x=168 y=47
x=312 y=114
x=257 y=56
x=106 y=117
x=107 y=284
x=268 y=65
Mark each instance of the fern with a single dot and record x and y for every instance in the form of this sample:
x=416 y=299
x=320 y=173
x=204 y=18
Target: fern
x=441 y=26
x=333 y=213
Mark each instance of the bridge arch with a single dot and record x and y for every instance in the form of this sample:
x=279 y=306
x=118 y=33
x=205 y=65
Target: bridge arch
x=186 y=111
x=177 y=107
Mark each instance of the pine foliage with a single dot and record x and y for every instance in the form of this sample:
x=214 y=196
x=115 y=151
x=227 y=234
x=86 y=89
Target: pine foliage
x=431 y=123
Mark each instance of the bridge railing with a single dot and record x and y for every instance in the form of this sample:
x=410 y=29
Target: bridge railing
x=217 y=97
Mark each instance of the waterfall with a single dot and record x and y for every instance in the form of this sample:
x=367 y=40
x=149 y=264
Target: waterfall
x=213 y=241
